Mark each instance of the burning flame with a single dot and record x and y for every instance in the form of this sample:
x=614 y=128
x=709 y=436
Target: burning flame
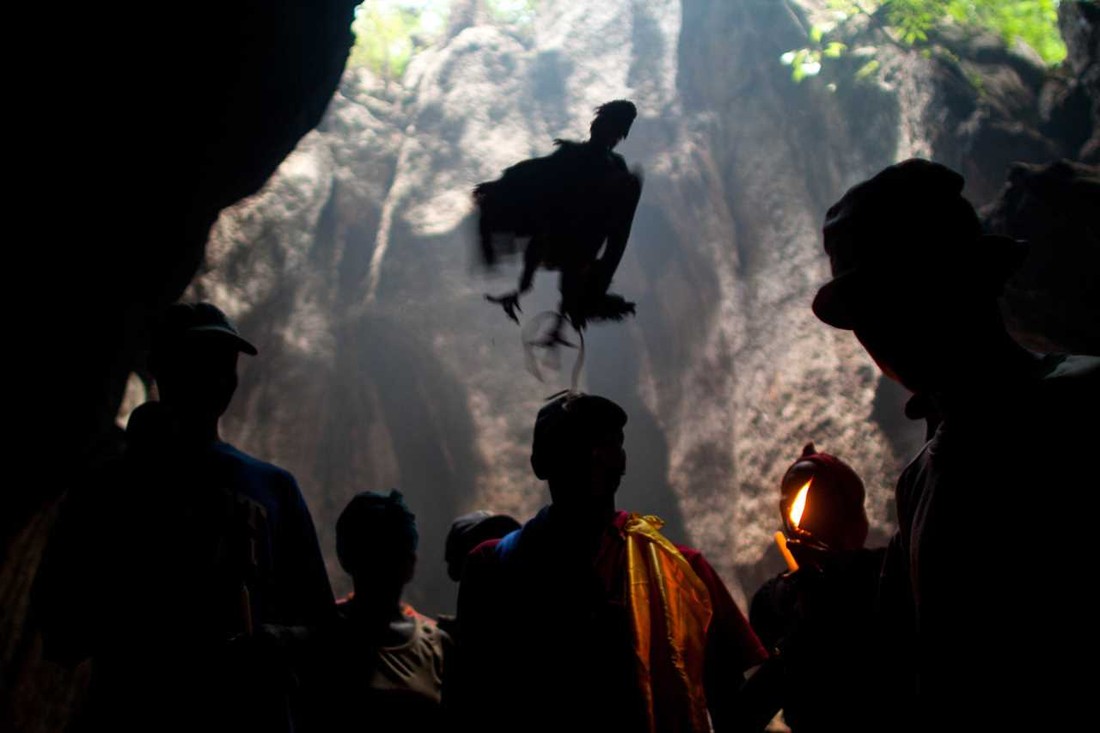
x=798 y=506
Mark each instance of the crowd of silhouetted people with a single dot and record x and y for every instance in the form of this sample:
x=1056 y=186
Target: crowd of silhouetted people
x=190 y=573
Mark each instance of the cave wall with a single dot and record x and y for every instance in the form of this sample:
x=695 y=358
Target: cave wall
x=362 y=240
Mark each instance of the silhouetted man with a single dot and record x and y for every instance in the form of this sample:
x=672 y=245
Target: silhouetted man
x=469 y=531
x=587 y=618
x=383 y=662
x=466 y=533
x=179 y=547
x=571 y=204
x=993 y=512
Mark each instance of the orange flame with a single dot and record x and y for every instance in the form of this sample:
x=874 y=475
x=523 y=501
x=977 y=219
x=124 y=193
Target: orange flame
x=798 y=506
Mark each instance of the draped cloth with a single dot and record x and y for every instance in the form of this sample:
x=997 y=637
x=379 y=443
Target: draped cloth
x=670 y=611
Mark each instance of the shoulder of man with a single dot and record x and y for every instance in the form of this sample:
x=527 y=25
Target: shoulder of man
x=730 y=628
x=484 y=555
x=700 y=565
x=1055 y=412
x=1070 y=375
x=249 y=469
x=1074 y=366
x=233 y=455
x=272 y=487
x=704 y=570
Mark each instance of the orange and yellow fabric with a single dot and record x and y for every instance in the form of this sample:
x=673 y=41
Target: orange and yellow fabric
x=670 y=612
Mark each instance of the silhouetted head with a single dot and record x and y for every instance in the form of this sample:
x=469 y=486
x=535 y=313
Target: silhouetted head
x=578 y=449
x=469 y=531
x=150 y=430
x=612 y=122
x=194 y=360
x=913 y=276
x=376 y=541
x=831 y=510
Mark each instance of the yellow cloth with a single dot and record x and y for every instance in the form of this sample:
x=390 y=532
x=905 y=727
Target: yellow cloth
x=670 y=611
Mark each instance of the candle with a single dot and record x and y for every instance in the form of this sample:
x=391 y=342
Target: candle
x=781 y=541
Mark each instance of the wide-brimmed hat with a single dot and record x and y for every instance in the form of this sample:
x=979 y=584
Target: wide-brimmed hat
x=907 y=226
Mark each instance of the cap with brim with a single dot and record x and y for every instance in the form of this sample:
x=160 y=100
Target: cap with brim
x=221 y=332
x=198 y=320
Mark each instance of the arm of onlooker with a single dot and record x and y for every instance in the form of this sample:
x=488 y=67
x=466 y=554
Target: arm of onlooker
x=302 y=585
x=758 y=701
x=732 y=648
x=467 y=698
x=65 y=599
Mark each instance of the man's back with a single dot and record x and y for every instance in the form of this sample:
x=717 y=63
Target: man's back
x=986 y=523
x=546 y=635
x=551 y=636
x=298 y=591
x=161 y=559
x=382 y=685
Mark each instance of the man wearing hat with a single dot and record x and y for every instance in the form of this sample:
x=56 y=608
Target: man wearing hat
x=987 y=510
x=465 y=534
x=469 y=531
x=587 y=617
x=180 y=546
x=194 y=361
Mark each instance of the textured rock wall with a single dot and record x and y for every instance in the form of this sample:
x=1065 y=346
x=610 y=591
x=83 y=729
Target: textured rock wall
x=382 y=365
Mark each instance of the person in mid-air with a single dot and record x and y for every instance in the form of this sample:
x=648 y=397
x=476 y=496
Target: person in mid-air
x=575 y=207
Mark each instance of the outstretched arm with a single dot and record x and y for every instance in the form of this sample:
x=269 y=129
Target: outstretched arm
x=626 y=192
x=532 y=258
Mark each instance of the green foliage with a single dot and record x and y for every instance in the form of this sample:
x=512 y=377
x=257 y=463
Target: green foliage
x=915 y=23
x=388 y=33
x=867 y=69
x=517 y=14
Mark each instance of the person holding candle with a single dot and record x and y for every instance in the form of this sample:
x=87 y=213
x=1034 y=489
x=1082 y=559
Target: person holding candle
x=817 y=618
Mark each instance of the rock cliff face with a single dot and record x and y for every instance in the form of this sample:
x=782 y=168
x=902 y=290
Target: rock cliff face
x=382 y=365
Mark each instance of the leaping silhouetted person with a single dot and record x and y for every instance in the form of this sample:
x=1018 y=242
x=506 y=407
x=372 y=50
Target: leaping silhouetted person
x=571 y=204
